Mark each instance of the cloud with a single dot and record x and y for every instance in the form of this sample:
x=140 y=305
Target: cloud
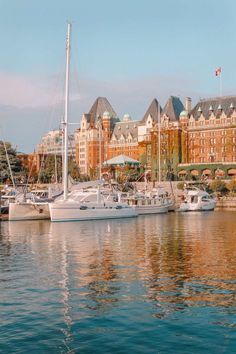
x=31 y=106
x=22 y=91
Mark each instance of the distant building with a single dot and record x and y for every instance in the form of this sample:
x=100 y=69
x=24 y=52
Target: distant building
x=52 y=144
x=93 y=136
x=124 y=139
x=209 y=138
x=193 y=142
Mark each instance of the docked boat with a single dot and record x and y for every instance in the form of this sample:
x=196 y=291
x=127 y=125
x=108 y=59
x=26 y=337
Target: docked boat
x=145 y=204
x=89 y=205
x=32 y=206
x=197 y=200
x=78 y=205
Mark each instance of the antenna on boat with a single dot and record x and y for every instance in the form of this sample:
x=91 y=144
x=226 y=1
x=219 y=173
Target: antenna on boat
x=65 y=122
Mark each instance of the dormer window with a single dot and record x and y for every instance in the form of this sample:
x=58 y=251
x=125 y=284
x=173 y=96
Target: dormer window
x=231 y=106
x=199 y=109
x=219 y=107
x=210 y=108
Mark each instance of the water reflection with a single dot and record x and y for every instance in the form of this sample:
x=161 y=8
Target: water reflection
x=84 y=270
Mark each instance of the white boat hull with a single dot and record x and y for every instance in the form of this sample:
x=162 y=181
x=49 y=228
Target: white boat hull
x=74 y=212
x=28 y=211
x=150 y=209
x=197 y=207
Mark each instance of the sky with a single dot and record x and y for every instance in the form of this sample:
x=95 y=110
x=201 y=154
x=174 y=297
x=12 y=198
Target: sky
x=129 y=51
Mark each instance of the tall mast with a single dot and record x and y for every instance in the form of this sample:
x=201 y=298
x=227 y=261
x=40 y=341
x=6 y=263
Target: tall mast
x=65 y=123
x=159 y=143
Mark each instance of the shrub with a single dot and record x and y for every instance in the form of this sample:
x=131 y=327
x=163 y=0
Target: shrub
x=180 y=185
x=231 y=186
x=218 y=186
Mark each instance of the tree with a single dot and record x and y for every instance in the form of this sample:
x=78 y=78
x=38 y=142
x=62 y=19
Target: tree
x=15 y=163
x=73 y=168
x=231 y=186
x=51 y=167
x=218 y=186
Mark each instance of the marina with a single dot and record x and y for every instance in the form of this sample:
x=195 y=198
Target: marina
x=152 y=284
x=117 y=178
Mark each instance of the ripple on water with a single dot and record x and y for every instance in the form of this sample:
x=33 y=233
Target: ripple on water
x=158 y=284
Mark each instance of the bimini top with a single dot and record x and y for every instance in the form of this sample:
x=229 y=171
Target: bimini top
x=121 y=160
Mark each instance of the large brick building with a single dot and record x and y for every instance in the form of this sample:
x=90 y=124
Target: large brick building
x=209 y=138
x=193 y=142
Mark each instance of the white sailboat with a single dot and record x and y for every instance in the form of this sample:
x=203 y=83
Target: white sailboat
x=168 y=200
x=78 y=206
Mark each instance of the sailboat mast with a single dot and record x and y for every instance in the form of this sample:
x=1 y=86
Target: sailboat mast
x=159 y=143
x=65 y=123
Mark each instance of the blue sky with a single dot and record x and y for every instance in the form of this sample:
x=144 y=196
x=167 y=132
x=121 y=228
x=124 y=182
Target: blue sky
x=129 y=51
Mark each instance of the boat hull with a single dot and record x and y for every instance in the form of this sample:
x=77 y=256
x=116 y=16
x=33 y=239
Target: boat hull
x=28 y=211
x=149 y=209
x=74 y=212
x=196 y=207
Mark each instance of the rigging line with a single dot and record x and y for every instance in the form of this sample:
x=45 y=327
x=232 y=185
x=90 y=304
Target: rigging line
x=8 y=161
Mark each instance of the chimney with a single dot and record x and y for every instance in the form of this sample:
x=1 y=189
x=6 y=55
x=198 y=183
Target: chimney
x=188 y=104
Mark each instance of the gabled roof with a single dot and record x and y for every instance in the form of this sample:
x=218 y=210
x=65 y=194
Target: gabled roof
x=217 y=105
x=152 y=111
x=98 y=108
x=173 y=108
x=121 y=160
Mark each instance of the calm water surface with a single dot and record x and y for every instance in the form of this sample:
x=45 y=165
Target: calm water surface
x=155 y=284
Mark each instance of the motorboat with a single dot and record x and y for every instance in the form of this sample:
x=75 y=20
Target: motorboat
x=197 y=200
x=167 y=198
x=147 y=204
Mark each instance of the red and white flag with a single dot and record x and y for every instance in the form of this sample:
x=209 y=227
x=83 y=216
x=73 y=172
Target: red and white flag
x=218 y=71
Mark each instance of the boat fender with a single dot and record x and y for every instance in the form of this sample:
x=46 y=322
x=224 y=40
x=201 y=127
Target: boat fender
x=83 y=207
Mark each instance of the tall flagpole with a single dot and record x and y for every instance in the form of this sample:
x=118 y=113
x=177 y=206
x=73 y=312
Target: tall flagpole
x=220 y=83
x=218 y=72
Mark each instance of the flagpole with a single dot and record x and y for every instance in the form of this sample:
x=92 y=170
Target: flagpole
x=220 y=83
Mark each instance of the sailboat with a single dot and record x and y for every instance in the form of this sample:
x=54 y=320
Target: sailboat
x=160 y=192
x=79 y=205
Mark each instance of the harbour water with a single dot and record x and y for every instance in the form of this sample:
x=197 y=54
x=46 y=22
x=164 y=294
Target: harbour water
x=153 y=284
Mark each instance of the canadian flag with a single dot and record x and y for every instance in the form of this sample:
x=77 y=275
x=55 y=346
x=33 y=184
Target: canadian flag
x=218 y=71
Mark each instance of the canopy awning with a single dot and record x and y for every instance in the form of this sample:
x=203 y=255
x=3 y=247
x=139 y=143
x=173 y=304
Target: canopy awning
x=121 y=160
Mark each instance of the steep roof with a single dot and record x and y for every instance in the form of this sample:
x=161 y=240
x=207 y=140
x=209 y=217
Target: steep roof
x=173 y=108
x=100 y=106
x=125 y=128
x=216 y=105
x=152 y=111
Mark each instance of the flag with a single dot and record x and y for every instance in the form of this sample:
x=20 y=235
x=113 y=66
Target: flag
x=218 y=71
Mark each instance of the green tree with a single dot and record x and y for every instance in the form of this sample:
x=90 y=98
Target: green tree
x=231 y=186
x=218 y=186
x=51 y=167
x=73 y=169
x=15 y=163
